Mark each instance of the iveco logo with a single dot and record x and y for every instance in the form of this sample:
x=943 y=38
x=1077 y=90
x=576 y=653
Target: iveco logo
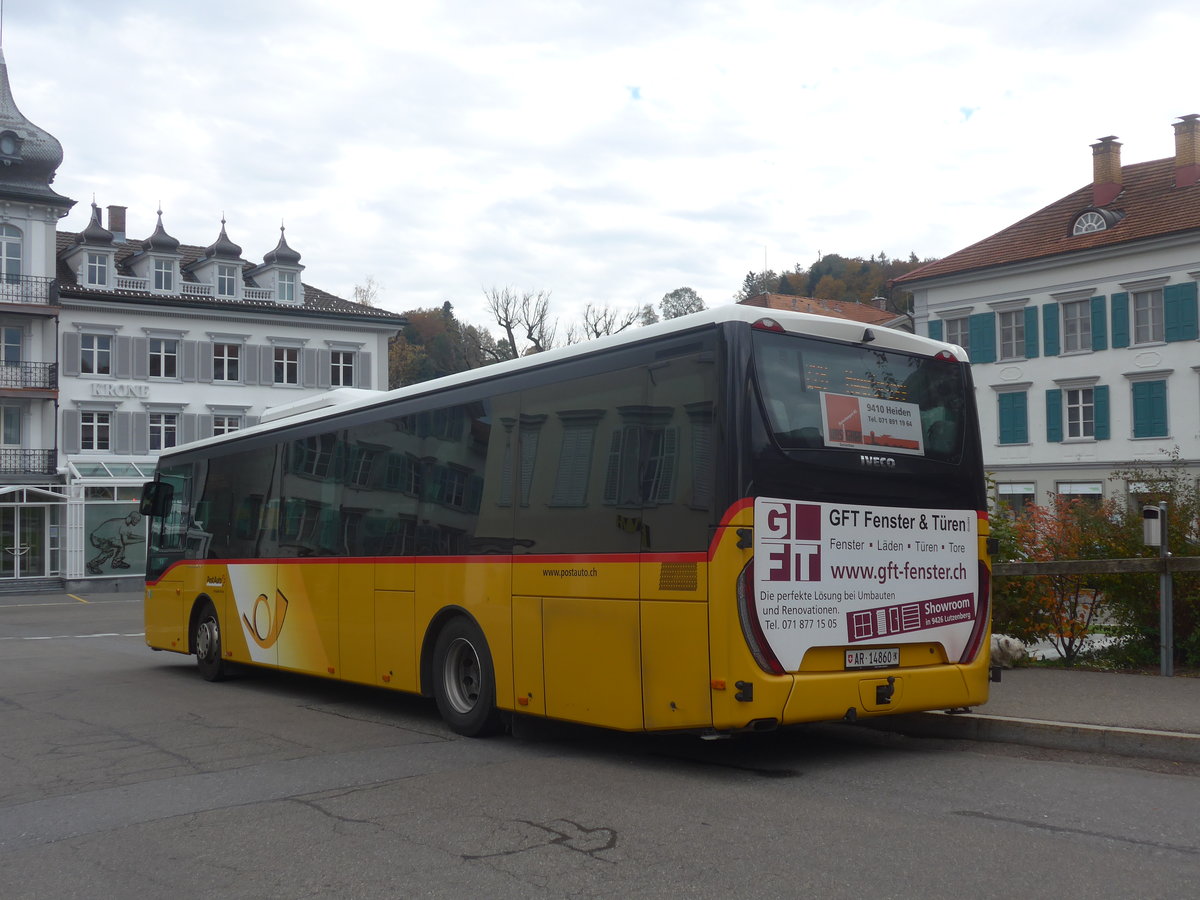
x=883 y=461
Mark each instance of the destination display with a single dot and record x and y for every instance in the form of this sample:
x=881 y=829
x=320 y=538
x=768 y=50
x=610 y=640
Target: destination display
x=830 y=574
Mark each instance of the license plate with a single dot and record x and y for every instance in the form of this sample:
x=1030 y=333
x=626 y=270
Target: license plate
x=873 y=658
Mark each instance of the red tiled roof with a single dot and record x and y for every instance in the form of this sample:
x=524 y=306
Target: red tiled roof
x=1149 y=201
x=315 y=299
x=842 y=309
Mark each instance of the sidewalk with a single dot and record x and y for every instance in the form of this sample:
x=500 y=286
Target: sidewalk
x=1095 y=712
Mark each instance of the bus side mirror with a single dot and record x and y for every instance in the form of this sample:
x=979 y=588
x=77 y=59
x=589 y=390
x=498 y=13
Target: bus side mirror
x=156 y=498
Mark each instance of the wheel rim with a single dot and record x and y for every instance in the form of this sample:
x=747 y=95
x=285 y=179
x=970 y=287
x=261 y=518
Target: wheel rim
x=208 y=639
x=460 y=675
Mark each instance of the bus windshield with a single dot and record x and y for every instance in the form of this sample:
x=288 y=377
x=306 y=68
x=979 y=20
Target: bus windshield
x=820 y=393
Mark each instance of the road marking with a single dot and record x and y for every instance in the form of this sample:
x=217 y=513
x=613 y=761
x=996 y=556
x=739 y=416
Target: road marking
x=62 y=637
x=75 y=597
x=40 y=605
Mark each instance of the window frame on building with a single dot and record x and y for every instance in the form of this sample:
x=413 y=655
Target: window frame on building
x=285 y=285
x=226 y=280
x=96 y=269
x=12 y=248
x=1010 y=324
x=223 y=423
x=1079 y=413
x=958 y=331
x=95 y=430
x=1149 y=321
x=163 y=358
x=1076 y=326
x=286 y=361
x=95 y=353
x=341 y=368
x=226 y=356
x=162 y=430
x=163 y=275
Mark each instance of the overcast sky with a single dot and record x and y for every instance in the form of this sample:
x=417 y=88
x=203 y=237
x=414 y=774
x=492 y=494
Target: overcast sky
x=606 y=151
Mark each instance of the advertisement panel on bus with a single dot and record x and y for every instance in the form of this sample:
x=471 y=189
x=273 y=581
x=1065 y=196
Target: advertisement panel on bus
x=868 y=578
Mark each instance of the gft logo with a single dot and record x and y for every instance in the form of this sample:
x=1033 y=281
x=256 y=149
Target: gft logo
x=789 y=540
x=267 y=621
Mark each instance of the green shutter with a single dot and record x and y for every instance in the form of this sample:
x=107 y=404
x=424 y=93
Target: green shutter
x=1050 y=329
x=1149 y=409
x=1179 y=312
x=1100 y=411
x=935 y=329
x=1120 y=319
x=1013 y=409
x=1054 y=429
x=1031 y=332
x=982 y=335
x=1099 y=325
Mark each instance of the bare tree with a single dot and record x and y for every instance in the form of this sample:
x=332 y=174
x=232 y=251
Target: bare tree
x=367 y=292
x=526 y=314
x=599 y=321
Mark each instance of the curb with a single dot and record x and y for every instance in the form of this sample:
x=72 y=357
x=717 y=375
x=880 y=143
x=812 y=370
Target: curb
x=1175 y=746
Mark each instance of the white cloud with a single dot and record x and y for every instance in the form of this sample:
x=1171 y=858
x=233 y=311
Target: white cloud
x=604 y=152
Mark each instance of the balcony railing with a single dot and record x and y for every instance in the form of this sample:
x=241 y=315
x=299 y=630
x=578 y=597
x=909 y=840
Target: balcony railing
x=29 y=375
x=28 y=462
x=28 y=289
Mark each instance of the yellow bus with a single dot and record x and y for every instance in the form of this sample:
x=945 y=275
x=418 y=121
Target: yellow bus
x=726 y=522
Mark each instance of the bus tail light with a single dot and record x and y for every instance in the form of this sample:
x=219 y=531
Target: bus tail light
x=982 y=618
x=767 y=324
x=752 y=630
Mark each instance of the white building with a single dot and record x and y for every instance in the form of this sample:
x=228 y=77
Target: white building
x=114 y=348
x=1081 y=324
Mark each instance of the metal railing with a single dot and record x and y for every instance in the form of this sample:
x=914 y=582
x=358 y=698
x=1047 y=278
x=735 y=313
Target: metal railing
x=28 y=462
x=28 y=289
x=29 y=375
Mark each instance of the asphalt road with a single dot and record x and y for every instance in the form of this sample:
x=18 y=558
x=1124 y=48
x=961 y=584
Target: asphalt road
x=122 y=774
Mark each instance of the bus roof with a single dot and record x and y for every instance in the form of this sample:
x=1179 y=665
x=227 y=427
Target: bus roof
x=313 y=409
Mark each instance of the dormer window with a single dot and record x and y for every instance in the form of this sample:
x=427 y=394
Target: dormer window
x=287 y=287
x=97 y=269
x=164 y=275
x=226 y=281
x=1092 y=220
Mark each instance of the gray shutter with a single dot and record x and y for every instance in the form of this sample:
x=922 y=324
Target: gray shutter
x=70 y=354
x=188 y=367
x=123 y=353
x=204 y=361
x=140 y=349
x=309 y=369
x=205 y=423
x=122 y=438
x=266 y=369
x=70 y=430
x=251 y=420
x=363 y=376
x=188 y=428
x=323 y=363
x=248 y=364
x=140 y=426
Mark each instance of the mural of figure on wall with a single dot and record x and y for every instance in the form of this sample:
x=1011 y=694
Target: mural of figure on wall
x=111 y=538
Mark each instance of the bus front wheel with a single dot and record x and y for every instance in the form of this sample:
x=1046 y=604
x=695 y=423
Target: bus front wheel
x=206 y=643
x=464 y=682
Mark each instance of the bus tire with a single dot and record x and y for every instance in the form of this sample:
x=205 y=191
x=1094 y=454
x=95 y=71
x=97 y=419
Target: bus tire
x=464 y=681
x=206 y=643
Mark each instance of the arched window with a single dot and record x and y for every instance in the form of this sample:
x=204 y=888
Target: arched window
x=10 y=253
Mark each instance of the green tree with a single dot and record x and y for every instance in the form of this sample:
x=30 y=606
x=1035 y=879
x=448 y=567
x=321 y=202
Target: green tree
x=680 y=302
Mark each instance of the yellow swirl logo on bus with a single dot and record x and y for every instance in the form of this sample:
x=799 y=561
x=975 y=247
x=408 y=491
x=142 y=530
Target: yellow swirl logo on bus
x=267 y=620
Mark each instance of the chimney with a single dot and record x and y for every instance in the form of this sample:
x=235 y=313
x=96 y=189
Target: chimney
x=1187 y=151
x=1106 y=171
x=116 y=223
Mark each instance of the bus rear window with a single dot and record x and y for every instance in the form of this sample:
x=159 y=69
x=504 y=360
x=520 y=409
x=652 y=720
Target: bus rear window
x=820 y=394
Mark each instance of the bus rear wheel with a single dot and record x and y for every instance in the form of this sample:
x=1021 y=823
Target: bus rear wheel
x=206 y=643
x=464 y=682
